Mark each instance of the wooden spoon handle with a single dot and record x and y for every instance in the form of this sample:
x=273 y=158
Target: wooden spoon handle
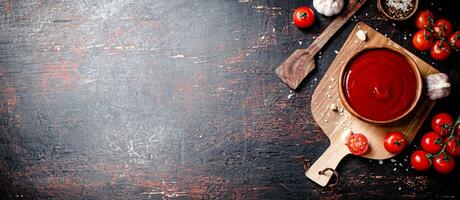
x=295 y=68
x=334 y=26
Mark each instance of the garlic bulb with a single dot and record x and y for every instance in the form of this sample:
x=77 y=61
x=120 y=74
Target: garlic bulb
x=328 y=7
x=438 y=86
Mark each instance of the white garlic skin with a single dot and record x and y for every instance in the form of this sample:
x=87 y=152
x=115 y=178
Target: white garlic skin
x=328 y=7
x=438 y=86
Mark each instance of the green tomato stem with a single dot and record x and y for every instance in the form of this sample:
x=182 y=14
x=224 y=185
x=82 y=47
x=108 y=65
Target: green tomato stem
x=452 y=129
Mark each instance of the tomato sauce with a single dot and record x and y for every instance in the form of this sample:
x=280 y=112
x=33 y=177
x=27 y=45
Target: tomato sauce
x=380 y=84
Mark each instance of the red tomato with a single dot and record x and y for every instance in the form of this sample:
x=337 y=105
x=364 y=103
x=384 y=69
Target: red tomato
x=442 y=28
x=303 y=17
x=441 y=50
x=424 y=18
x=454 y=40
x=453 y=145
x=394 y=142
x=422 y=40
x=420 y=161
x=439 y=121
x=444 y=164
x=457 y=131
x=357 y=144
x=431 y=142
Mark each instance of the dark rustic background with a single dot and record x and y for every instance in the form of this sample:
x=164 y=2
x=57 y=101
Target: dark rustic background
x=125 y=99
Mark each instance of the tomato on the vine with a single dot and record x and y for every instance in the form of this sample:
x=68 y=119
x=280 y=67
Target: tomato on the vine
x=425 y=18
x=453 y=145
x=420 y=161
x=444 y=164
x=394 y=142
x=303 y=17
x=440 y=50
x=422 y=40
x=431 y=142
x=454 y=40
x=457 y=131
x=357 y=144
x=442 y=28
x=439 y=121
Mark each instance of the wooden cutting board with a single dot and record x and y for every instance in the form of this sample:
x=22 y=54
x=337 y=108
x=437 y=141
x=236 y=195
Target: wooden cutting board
x=335 y=123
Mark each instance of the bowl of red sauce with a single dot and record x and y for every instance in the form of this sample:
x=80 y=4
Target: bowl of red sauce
x=380 y=85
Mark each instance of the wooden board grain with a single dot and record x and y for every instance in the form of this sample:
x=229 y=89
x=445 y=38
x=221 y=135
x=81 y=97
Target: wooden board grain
x=334 y=123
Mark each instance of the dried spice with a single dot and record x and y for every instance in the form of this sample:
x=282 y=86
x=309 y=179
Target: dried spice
x=399 y=9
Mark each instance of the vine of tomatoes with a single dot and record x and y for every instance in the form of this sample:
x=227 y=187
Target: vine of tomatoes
x=440 y=146
x=435 y=36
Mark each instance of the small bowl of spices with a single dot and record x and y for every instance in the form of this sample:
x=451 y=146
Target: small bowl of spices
x=397 y=10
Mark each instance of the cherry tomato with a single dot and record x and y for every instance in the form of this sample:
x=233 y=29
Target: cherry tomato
x=422 y=40
x=457 y=131
x=442 y=28
x=444 y=164
x=394 y=142
x=441 y=50
x=454 y=40
x=357 y=144
x=303 y=17
x=425 y=18
x=431 y=142
x=439 y=121
x=453 y=145
x=420 y=161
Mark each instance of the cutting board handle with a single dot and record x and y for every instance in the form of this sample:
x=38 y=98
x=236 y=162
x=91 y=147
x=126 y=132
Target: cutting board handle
x=329 y=159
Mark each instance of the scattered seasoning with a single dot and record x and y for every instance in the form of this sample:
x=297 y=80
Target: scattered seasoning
x=336 y=52
x=399 y=9
x=381 y=162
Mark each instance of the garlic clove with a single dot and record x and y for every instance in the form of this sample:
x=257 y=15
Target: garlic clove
x=361 y=35
x=334 y=107
x=345 y=135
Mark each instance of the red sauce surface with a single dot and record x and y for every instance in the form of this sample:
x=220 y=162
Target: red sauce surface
x=380 y=84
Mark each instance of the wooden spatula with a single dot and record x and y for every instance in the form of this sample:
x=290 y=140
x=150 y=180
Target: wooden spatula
x=302 y=61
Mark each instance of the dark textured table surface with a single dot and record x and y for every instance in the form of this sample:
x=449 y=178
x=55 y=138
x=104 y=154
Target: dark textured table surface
x=124 y=99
